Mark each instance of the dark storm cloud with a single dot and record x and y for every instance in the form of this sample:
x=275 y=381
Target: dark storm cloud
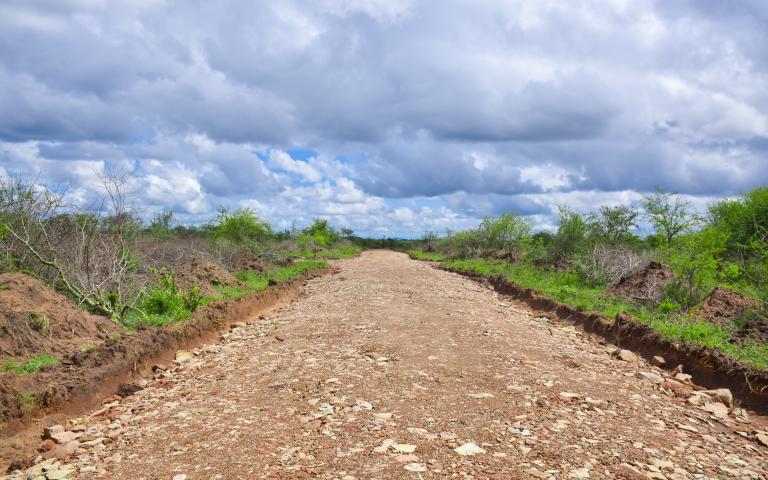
x=497 y=105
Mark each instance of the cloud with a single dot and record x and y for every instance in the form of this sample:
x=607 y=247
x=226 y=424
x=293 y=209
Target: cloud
x=282 y=161
x=413 y=116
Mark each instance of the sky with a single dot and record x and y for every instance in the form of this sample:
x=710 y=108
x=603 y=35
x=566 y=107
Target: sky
x=391 y=117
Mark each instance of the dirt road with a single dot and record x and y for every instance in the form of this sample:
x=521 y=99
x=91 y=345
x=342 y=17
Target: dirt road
x=393 y=369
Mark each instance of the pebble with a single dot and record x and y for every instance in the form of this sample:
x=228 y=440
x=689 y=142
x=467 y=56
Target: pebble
x=403 y=447
x=653 y=377
x=49 y=432
x=579 y=473
x=626 y=356
x=183 y=356
x=721 y=394
x=568 y=396
x=468 y=449
x=480 y=395
x=57 y=474
x=63 y=451
x=658 y=361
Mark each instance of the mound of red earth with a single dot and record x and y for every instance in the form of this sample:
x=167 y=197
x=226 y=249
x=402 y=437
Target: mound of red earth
x=34 y=319
x=645 y=285
x=204 y=275
x=249 y=263
x=501 y=255
x=723 y=306
x=753 y=331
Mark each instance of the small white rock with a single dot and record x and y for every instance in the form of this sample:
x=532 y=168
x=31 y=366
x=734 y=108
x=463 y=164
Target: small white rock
x=403 y=447
x=468 y=449
x=480 y=395
x=415 y=467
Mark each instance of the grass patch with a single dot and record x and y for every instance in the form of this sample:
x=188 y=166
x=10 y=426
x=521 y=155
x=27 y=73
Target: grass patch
x=256 y=282
x=566 y=287
x=39 y=322
x=337 y=252
x=27 y=400
x=163 y=303
x=31 y=365
x=430 y=256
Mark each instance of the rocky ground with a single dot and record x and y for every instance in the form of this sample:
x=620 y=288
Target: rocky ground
x=393 y=369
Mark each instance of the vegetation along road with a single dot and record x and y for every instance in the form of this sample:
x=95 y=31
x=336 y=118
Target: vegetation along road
x=391 y=368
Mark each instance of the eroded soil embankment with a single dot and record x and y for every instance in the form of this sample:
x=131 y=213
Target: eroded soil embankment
x=709 y=367
x=74 y=387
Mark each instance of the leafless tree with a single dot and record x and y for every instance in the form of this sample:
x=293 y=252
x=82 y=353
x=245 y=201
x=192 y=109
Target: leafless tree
x=84 y=253
x=607 y=264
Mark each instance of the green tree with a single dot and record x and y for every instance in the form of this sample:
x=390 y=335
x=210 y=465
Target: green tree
x=320 y=233
x=347 y=233
x=162 y=224
x=240 y=226
x=613 y=224
x=695 y=260
x=465 y=243
x=744 y=218
x=571 y=233
x=507 y=232
x=669 y=214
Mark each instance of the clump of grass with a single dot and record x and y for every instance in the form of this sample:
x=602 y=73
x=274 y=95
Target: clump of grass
x=39 y=322
x=87 y=347
x=31 y=365
x=335 y=252
x=339 y=252
x=115 y=337
x=165 y=302
x=431 y=256
x=27 y=400
x=256 y=282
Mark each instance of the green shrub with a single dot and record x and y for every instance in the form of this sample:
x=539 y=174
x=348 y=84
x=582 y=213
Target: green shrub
x=668 y=306
x=464 y=244
x=745 y=218
x=240 y=226
x=508 y=233
x=164 y=302
x=162 y=224
x=694 y=259
x=318 y=235
x=571 y=234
